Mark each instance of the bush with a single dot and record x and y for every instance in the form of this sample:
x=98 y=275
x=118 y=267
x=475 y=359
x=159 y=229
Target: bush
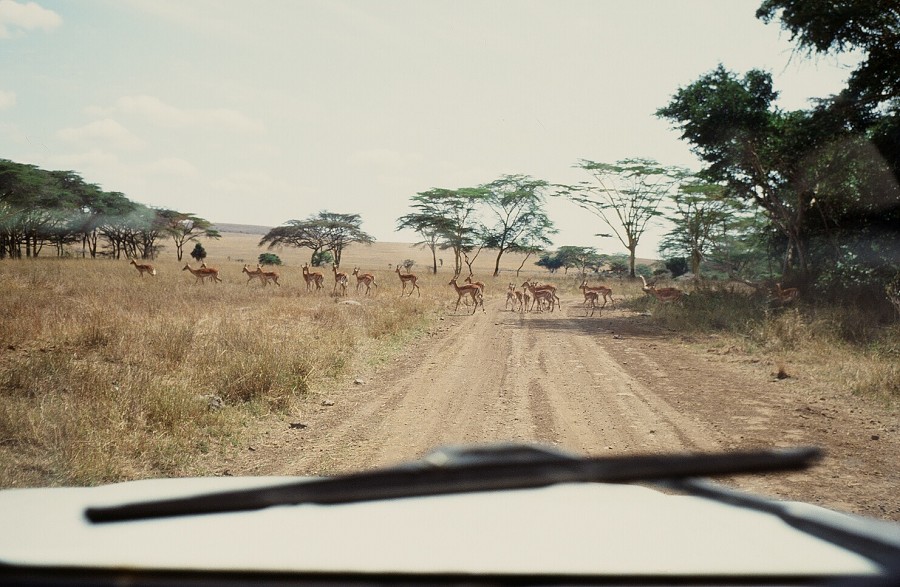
x=269 y=259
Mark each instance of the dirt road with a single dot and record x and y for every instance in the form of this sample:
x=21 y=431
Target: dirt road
x=610 y=384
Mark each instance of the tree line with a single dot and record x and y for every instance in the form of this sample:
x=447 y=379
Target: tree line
x=808 y=195
x=59 y=210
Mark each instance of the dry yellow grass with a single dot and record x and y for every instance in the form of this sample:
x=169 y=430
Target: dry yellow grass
x=105 y=375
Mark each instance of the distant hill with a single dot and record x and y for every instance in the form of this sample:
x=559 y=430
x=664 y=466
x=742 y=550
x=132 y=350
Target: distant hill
x=241 y=228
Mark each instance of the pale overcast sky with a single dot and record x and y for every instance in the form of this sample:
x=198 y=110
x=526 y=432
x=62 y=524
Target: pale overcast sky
x=263 y=112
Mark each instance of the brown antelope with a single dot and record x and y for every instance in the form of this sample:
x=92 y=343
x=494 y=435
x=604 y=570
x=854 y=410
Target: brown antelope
x=340 y=279
x=143 y=268
x=541 y=295
x=593 y=297
x=203 y=272
x=268 y=276
x=665 y=295
x=312 y=278
x=600 y=289
x=364 y=279
x=786 y=296
x=468 y=289
x=411 y=279
x=252 y=274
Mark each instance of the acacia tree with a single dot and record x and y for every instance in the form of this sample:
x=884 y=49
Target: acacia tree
x=452 y=215
x=699 y=210
x=185 y=227
x=626 y=195
x=322 y=232
x=515 y=203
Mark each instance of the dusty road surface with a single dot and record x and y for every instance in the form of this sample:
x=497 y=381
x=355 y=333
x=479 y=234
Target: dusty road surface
x=600 y=385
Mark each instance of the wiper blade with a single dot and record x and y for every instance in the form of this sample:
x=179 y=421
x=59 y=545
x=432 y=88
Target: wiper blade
x=462 y=470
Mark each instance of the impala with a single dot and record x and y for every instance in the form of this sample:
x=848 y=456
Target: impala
x=203 y=272
x=411 y=279
x=665 y=295
x=366 y=279
x=786 y=296
x=268 y=276
x=252 y=274
x=312 y=277
x=340 y=279
x=541 y=293
x=143 y=268
x=593 y=297
x=599 y=289
x=468 y=289
x=480 y=284
x=514 y=296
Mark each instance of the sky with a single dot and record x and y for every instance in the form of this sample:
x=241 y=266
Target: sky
x=270 y=111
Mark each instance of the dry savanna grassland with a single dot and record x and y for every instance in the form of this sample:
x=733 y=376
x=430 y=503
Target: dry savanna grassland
x=107 y=374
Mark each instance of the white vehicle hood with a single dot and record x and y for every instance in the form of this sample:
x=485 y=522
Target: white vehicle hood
x=567 y=529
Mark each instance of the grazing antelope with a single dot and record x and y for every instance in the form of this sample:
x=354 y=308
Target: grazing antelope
x=143 y=268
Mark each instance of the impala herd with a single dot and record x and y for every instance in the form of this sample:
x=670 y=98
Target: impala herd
x=532 y=296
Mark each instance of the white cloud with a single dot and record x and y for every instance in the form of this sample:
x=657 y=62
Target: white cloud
x=16 y=17
x=107 y=131
x=7 y=99
x=158 y=112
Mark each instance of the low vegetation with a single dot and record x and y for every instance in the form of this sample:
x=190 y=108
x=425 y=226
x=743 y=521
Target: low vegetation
x=105 y=375
x=108 y=375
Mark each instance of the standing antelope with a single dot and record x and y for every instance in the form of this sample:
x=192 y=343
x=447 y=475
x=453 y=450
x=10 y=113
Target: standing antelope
x=514 y=296
x=468 y=289
x=412 y=279
x=593 y=297
x=366 y=279
x=599 y=289
x=540 y=293
x=203 y=272
x=340 y=279
x=312 y=277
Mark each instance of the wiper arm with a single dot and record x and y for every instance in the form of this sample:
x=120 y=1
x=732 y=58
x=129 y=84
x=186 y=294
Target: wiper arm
x=450 y=470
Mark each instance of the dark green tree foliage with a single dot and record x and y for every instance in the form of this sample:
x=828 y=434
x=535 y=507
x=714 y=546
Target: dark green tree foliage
x=199 y=253
x=268 y=259
x=60 y=209
x=701 y=214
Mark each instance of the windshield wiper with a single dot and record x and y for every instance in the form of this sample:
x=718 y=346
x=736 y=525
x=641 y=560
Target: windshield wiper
x=468 y=469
